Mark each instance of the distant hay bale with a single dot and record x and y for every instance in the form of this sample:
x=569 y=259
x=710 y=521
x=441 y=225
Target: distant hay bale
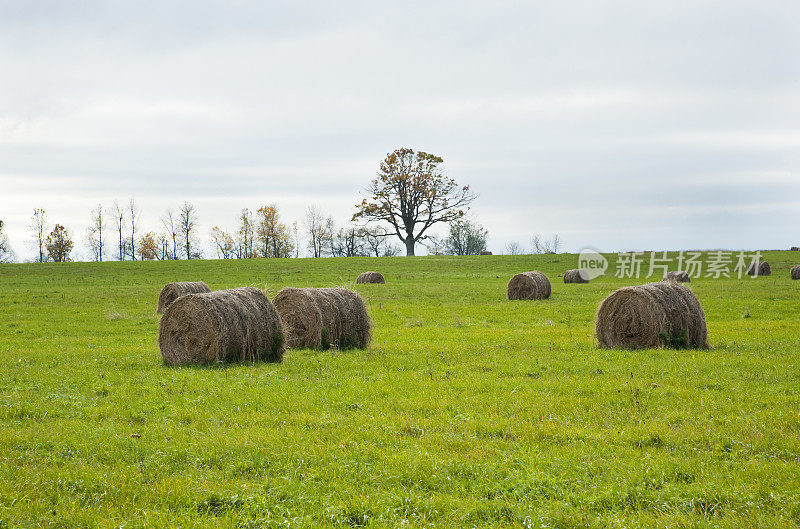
x=234 y=325
x=795 y=273
x=795 y=249
x=576 y=276
x=485 y=252
x=759 y=269
x=173 y=291
x=680 y=276
x=370 y=277
x=320 y=318
x=664 y=314
x=529 y=285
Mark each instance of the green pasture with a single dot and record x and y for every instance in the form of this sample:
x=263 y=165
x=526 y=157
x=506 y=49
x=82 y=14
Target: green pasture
x=467 y=410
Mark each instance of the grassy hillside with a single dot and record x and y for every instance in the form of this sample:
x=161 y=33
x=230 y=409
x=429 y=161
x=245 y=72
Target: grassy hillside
x=468 y=409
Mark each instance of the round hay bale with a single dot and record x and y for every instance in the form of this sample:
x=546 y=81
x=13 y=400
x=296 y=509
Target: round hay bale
x=529 y=285
x=321 y=318
x=173 y=291
x=234 y=325
x=795 y=273
x=664 y=314
x=302 y=318
x=575 y=276
x=759 y=269
x=680 y=276
x=370 y=277
x=485 y=252
x=795 y=249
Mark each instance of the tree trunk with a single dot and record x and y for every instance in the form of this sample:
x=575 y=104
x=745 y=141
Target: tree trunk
x=409 y=246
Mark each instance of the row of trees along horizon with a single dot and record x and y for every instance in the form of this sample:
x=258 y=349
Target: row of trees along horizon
x=408 y=196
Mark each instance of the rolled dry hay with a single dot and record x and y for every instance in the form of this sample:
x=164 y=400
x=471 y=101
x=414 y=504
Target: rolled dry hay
x=529 y=285
x=234 y=325
x=795 y=249
x=680 y=276
x=173 y=291
x=370 y=277
x=576 y=276
x=759 y=269
x=320 y=318
x=485 y=252
x=664 y=314
x=795 y=273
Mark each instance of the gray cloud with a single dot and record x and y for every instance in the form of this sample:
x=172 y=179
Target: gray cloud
x=616 y=124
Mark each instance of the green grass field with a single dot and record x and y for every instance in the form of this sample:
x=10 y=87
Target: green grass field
x=467 y=410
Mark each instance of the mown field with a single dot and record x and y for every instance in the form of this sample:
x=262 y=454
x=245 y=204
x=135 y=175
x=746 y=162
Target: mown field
x=468 y=410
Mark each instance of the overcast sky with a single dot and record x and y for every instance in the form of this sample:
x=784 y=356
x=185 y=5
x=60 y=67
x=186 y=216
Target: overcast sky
x=618 y=125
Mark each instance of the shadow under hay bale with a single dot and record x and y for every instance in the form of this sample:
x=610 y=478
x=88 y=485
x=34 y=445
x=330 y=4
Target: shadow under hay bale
x=576 y=276
x=173 y=291
x=795 y=273
x=759 y=269
x=529 y=285
x=664 y=314
x=370 y=277
x=679 y=276
x=321 y=318
x=237 y=325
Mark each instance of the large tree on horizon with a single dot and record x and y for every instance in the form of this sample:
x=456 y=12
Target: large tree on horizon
x=411 y=194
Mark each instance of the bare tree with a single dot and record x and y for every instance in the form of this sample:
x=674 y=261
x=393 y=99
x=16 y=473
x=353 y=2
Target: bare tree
x=6 y=253
x=317 y=229
x=348 y=242
x=245 y=235
x=513 y=248
x=94 y=234
x=556 y=243
x=296 y=236
x=38 y=228
x=170 y=223
x=374 y=240
x=163 y=247
x=435 y=244
x=187 y=223
x=539 y=245
x=223 y=242
x=329 y=235
x=133 y=216
x=118 y=214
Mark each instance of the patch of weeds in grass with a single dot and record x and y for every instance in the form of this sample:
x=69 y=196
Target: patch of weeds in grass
x=412 y=431
x=215 y=505
x=352 y=517
x=679 y=340
x=654 y=441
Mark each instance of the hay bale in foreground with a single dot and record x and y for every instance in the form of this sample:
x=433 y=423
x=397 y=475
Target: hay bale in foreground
x=173 y=291
x=370 y=277
x=529 y=285
x=795 y=273
x=759 y=269
x=664 y=314
x=320 y=318
x=576 y=276
x=234 y=325
x=680 y=276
